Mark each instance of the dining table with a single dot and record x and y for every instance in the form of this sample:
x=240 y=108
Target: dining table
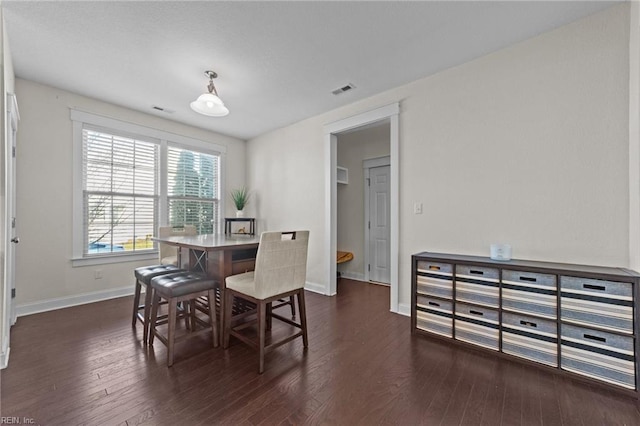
x=217 y=256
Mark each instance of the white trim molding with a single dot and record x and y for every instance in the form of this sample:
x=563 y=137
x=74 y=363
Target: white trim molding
x=67 y=302
x=389 y=112
x=314 y=287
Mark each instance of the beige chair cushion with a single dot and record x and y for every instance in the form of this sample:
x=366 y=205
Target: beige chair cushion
x=281 y=266
x=169 y=254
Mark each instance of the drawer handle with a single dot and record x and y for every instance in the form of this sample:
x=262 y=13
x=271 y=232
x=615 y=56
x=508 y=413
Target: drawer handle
x=476 y=312
x=434 y=304
x=434 y=267
x=529 y=323
x=530 y=279
x=594 y=287
x=596 y=338
x=476 y=272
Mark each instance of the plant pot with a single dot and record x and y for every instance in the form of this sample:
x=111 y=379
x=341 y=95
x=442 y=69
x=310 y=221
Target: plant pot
x=239 y=213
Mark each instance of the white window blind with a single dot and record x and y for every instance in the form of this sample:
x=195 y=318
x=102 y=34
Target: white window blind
x=120 y=196
x=193 y=189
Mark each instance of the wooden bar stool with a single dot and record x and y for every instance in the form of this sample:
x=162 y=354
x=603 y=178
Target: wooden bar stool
x=144 y=275
x=182 y=287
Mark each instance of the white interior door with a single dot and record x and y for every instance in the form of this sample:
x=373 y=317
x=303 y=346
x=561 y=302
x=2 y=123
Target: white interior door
x=379 y=225
x=10 y=240
x=10 y=266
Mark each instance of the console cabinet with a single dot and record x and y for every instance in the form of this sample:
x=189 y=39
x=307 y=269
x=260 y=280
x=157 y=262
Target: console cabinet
x=579 y=319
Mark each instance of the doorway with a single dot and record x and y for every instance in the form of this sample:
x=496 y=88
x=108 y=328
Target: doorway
x=331 y=132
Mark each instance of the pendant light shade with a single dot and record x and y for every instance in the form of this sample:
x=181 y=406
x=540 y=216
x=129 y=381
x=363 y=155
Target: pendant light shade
x=209 y=103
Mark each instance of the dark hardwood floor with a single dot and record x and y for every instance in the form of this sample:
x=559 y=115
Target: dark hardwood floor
x=86 y=365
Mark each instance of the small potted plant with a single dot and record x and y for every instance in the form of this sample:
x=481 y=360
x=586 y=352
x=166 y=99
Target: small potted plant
x=240 y=199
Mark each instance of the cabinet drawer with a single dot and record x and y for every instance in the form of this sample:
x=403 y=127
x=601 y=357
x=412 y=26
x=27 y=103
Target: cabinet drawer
x=598 y=354
x=444 y=269
x=434 y=315
x=597 y=303
x=477 y=285
x=434 y=285
x=531 y=338
x=530 y=279
x=530 y=293
x=477 y=325
x=477 y=273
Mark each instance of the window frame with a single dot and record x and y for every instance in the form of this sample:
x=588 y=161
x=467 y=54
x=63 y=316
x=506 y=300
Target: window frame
x=164 y=139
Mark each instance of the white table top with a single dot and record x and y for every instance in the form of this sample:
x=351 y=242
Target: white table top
x=210 y=242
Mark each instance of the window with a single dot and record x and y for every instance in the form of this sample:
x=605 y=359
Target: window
x=129 y=179
x=120 y=192
x=193 y=189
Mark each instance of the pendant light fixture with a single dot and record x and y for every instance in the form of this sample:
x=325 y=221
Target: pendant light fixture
x=209 y=103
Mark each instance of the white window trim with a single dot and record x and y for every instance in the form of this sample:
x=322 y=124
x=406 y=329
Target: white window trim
x=79 y=118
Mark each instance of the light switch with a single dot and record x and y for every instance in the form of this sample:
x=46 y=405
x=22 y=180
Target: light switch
x=417 y=208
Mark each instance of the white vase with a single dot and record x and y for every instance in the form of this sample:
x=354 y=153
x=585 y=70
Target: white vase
x=239 y=213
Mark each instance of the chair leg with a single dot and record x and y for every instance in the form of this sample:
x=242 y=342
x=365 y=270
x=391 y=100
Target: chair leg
x=192 y=309
x=226 y=316
x=211 y=300
x=148 y=302
x=136 y=303
x=269 y=317
x=154 y=315
x=171 y=335
x=293 y=307
x=303 y=317
x=261 y=334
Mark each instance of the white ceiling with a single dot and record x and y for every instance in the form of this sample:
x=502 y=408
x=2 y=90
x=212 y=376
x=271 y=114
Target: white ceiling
x=277 y=62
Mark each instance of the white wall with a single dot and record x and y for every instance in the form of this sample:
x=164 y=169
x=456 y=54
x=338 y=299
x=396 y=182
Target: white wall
x=353 y=149
x=44 y=194
x=528 y=145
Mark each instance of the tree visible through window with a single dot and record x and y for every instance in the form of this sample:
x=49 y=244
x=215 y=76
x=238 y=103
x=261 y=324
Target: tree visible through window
x=193 y=189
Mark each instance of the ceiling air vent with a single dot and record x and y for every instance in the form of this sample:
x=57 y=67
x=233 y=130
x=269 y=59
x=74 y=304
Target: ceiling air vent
x=157 y=108
x=343 y=89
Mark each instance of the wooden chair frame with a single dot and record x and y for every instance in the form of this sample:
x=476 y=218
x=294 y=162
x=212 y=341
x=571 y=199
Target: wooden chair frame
x=264 y=312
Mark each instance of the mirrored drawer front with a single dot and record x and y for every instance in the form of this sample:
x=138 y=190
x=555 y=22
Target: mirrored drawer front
x=531 y=338
x=444 y=269
x=477 y=325
x=597 y=354
x=434 y=285
x=530 y=293
x=434 y=315
x=597 y=303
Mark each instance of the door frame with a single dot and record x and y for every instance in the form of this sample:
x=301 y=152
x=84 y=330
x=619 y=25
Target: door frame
x=389 y=112
x=367 y=165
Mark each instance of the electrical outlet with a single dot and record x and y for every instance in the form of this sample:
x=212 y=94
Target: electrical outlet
x=97 y=274
x=417 y=208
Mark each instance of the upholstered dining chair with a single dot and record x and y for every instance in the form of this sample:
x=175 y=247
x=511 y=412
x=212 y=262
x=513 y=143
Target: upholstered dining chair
x=280 y=272
x=169 y=254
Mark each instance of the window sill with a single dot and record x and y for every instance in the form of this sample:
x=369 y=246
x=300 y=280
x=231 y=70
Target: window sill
x=116 y=258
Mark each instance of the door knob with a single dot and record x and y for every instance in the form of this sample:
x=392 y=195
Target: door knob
x=15 y=240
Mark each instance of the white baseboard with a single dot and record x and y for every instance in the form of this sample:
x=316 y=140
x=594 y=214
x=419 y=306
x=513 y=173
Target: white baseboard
x=66 y=302
x=4 y=358
x=81 y=299
x=351 y=275
x=315 y=287
x=404 y=309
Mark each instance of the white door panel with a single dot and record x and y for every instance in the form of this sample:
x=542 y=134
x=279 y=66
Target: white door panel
x=379 y=228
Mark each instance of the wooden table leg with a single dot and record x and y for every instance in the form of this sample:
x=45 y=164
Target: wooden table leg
x=224 y=270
